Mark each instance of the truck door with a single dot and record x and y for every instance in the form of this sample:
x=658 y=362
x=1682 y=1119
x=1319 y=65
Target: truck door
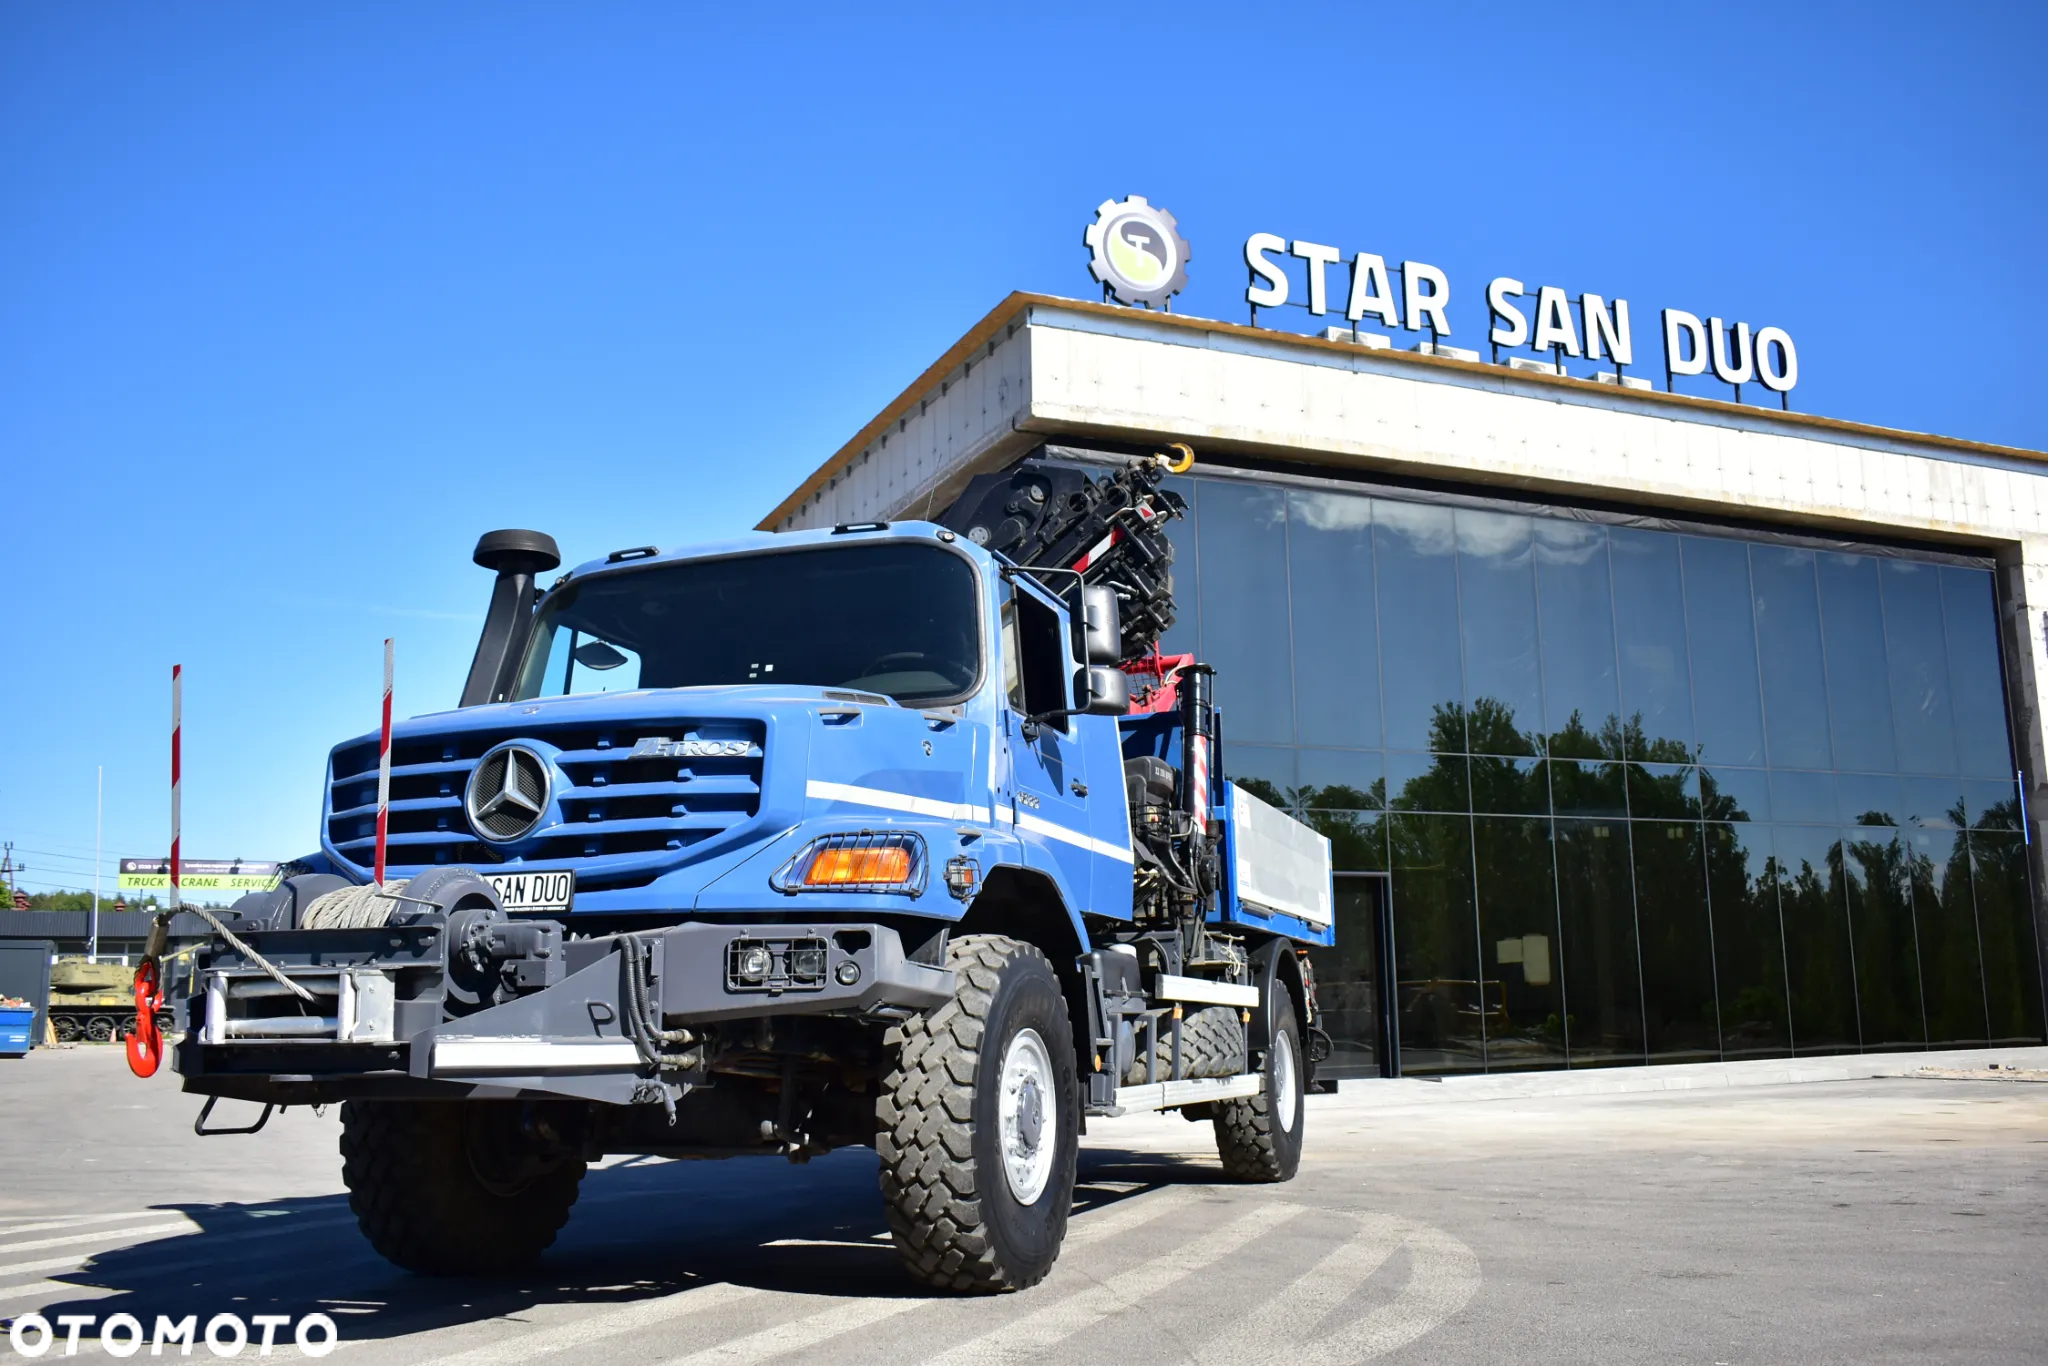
x=1047 y=783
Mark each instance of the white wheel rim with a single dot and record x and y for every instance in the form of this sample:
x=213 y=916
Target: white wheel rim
x=1027 y=1108
x=1286 y=1087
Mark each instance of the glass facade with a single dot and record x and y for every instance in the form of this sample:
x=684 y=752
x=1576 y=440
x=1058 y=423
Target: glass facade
x=1643 y=796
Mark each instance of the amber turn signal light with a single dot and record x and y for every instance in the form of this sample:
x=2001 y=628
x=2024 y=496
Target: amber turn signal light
x=840 y=867
x=886 y=861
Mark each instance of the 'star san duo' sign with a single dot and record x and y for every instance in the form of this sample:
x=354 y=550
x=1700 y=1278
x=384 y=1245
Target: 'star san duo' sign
x=1137 y=253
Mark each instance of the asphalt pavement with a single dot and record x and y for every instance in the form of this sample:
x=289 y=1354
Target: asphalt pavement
x=1880 y=1219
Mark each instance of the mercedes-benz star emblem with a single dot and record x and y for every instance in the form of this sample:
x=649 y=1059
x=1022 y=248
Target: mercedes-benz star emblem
x=508 y=793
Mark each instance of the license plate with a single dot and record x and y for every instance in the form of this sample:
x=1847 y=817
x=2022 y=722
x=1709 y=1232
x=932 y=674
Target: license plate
x=522 y=892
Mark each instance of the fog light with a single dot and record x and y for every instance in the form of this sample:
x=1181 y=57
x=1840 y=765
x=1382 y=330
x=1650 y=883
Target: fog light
x=807 y=965
x=848 y=973
x=754 y=964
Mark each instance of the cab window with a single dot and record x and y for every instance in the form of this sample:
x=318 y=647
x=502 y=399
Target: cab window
x=899 y=617
x=1034 y=657
x=579 y=663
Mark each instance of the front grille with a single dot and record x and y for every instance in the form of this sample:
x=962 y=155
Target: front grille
x=610 y=804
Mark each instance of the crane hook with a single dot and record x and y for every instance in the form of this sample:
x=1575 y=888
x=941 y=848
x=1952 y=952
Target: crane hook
x=145 y=1039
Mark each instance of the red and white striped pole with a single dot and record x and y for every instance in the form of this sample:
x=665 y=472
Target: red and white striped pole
x=384 y=768
x=177 y=774
x=145 y=1042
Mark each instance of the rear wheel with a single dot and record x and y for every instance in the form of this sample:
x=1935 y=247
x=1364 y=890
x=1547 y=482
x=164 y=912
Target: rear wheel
x=1259 y=1138
x=100 y=1029
x=979 y=1132
x=456 y=1188
x=67 y=1029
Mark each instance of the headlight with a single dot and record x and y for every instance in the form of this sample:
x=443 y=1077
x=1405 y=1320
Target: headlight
x=871 y=861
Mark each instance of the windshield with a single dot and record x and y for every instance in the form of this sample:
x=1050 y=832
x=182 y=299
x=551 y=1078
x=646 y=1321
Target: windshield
x=890 y=617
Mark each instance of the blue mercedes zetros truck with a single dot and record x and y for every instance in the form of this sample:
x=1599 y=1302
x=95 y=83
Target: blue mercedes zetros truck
x=900 y=835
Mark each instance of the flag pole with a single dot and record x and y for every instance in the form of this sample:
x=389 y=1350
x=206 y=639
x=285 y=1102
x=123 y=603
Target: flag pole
x=99 y=825
x=145 y=1041
x=177 y=774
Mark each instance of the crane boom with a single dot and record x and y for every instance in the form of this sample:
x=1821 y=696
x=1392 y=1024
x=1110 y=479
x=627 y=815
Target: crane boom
x=1110 y=528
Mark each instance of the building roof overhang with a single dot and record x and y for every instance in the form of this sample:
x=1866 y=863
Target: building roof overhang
x=1178 y=327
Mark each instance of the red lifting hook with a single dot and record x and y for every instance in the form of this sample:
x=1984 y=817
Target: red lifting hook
x=145 y=1040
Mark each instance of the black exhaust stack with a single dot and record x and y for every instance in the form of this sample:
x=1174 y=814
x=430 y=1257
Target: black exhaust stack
x=515 y=556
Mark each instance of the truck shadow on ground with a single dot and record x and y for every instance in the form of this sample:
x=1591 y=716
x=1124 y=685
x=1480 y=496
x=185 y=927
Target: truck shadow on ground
x=641 y=1229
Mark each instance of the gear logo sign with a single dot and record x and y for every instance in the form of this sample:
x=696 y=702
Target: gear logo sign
x=1137 y=252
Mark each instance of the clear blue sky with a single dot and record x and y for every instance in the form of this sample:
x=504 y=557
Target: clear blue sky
x=298 y=298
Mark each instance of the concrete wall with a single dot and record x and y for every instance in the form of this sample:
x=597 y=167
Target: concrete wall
x=968 y=419
x=1347 y=407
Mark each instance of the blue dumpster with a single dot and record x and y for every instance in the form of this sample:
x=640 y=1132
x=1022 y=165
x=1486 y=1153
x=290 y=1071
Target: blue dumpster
x=16 y=1025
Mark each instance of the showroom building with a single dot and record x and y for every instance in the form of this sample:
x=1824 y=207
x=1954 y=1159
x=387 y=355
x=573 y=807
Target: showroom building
x=1651 y=728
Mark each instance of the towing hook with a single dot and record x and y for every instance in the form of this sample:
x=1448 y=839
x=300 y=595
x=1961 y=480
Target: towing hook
x=1181 y=465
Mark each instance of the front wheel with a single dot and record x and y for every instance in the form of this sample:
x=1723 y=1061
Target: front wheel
x=978 y=1129
x=1259 y=1138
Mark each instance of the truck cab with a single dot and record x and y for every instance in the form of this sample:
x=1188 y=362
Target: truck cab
x=678 y=727
x=846 y=837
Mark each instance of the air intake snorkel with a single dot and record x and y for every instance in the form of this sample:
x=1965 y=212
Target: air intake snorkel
x=515 y=556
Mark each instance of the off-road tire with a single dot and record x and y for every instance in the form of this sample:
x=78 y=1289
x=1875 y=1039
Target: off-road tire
x=1256 y=1141
x=418 y=1198
x=951 y=1210
x=1211 y=1045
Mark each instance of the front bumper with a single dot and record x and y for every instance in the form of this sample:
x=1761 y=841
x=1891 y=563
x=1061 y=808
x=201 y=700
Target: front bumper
x=379 y=1026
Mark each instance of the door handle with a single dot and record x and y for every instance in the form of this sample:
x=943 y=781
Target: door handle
x=1079 y=788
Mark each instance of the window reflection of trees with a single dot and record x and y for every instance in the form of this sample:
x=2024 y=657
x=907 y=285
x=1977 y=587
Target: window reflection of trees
x=1998 y=870
x=1753 y=940
x=1652 y=722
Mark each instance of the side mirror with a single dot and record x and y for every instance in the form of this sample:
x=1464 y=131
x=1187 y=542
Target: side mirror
x=1102 y=628
x=1102 y=691
x=599 y=655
